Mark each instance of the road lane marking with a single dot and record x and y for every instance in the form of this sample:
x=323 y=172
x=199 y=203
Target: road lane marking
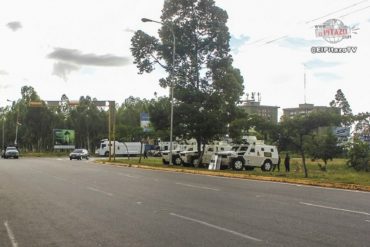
x=128 y=175
x=59 y=178
x=10 y=234
x=216 y=227
x=338 y=209
x=198 y=187
x=100 y=191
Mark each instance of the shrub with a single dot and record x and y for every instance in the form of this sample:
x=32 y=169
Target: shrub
x=359 y=155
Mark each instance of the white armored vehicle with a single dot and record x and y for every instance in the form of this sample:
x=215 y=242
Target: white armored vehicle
x=250 y=155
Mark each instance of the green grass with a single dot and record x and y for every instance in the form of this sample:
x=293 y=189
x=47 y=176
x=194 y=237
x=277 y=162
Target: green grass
x=337 y=171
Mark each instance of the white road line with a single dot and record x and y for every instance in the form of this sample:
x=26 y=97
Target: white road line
x=198 y=187
x=59 y=178
x=10 y=234
x=338 y=209
x=367 y=221
x=216 y=227
x=100 y=191
x=128 y=175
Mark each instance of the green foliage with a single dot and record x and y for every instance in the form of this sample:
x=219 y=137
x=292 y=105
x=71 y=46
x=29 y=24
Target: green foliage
x=128 y=119
x=362 y=125
x=253 y=124
x=296 y=131
x=323 y=146
x=359 y=155
x=206 y=85
x=88 y=120
x=159 y=111
x=341 y=102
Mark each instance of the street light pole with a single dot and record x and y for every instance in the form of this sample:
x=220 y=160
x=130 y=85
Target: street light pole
x=3 y=134
x=16 y=124
x=16 y=130
x=172 y=78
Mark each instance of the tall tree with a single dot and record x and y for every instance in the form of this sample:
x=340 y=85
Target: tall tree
x=340 y=101
x=323 y=146
x=298 y=130
x=206 y=85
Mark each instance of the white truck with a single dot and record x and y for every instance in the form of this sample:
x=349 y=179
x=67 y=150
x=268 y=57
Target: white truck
x=252 y=154
x=119 y=148
x=191 y=157
x=177 y=148
x=176 y=160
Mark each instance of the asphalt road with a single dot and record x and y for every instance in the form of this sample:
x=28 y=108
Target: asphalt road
x=57 y=202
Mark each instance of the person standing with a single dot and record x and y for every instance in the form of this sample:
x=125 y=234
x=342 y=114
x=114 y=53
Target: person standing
x=287 y=162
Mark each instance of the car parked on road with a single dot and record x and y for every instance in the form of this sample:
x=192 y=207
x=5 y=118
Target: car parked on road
x=79 y=154
x=11 y=152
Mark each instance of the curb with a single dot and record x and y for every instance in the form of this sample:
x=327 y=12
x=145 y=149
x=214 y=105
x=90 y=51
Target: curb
x=354 y=187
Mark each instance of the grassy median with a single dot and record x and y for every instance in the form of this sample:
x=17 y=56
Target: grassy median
x=338 y=174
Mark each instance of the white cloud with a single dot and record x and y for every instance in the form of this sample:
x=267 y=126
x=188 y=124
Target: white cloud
x=99 y=28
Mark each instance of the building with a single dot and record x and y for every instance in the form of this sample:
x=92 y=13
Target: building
x=253 y=106
x=307 y=108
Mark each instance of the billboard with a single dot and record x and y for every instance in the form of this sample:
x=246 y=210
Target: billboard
x=64 y=139
x=145 y=121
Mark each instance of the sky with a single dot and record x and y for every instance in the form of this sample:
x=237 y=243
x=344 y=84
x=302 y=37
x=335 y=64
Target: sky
x=82 y=47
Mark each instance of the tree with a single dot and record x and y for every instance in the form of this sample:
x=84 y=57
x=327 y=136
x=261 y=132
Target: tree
x=206 y=85
x=362 y=125
x=359 y=155
x=88 y=121
x=341 y=102
x=323 y=146
x=246 y=124
x=160 y=116
x=298 y=130
x=128 y=117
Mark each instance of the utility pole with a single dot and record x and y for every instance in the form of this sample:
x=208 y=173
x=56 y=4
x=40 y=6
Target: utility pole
x=3 y=147
x=172 y=77
x=109 y=131
x=114 y=131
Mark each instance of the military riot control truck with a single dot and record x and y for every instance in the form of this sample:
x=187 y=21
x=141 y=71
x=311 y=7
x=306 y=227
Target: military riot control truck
x=250 y=155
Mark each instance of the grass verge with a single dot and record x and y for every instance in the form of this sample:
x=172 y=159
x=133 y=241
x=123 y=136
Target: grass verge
x=338 y=175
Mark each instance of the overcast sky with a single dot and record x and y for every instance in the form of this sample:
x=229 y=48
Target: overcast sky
x=82 y=47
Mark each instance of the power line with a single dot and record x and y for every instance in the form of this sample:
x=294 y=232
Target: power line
x=354 y=11
x=336 y=11
x=318 y=18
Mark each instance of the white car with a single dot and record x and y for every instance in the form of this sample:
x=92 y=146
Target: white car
x=11 y=152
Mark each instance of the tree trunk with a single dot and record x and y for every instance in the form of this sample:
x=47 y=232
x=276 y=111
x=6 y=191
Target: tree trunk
x=141 y=151
x=303 y=157
x=304 y=164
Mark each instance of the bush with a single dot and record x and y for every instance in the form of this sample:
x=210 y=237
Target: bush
x=359 y=156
